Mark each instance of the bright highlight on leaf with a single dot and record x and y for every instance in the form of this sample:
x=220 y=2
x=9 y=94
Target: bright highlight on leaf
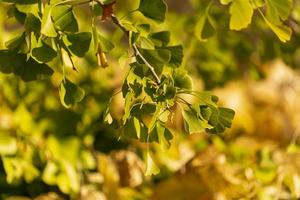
x=8 y=144
x=282 y=31
x=151 y=167
x=278 y=10
x=241 y=12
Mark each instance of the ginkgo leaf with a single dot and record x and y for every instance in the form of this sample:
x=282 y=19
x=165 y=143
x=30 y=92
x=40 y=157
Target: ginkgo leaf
x=220 y=118
x=32 y=23
x=151 y=167
x=226 y=2
x=137 y=127
x=64 y=18
x=161 y=38
x=182 y=79
x=70 y=94
x=164 y=136
x=50 y=173
x=204 y=28
x=80 y=43
x=47 y=27
x=41 y=51
x=282 y=31
x=257 y=3
x=128 y=101
x=278 y=10
x=241 y=12
x=8 y=144
x=153 y=9
x=193 y=123
x=155 y=117
x=176 y=55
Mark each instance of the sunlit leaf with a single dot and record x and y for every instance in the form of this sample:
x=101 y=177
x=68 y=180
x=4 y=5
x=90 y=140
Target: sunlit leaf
x=70 y=94
x=41 y=51
x=278 y=10
x=8 y=144
x=193 y=122
x=282 y=31
x=151 y=167
x=241 y=12
x=47 y=26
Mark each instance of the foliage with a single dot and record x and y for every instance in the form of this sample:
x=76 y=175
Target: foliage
x=61 y=111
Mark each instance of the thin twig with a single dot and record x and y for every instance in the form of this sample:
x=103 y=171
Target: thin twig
x=138 y=53
x=135 y=48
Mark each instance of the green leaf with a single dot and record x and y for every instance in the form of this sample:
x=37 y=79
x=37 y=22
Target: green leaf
x=50 y=173
x=105 y=2
x=193 y=123
x=9 y=1
x=18 y=44
x=41 y=52
x=32 y=24
x=70 y=94
x=164 y=136
x=8 y=144
x=69 y=2
x=146 y=109
x=204 y=28
x=96 y=8
x=278 y=10
x=176 y=55
x=153 y=9
x=28 y=7
x=257 y=3
x=161 y=38
x=220 y=118
x=80 y=43
x=32 y=70
x=47 y=24
x=10 y=60
x=182 y=79
x=137 y=127
x=206 y=98
x=155 y=117
x=128 y=101
x=64 y=19
x=157 y=58
x=13 y=12
x=283 y=32
x=151 y=167
x=144 y=29
x=105 y=44
x=241 y=12
x=225 y=2
x=13 y=169
x=28 y=70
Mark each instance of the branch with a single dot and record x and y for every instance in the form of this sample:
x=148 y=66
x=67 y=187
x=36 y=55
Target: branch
x=137 y=53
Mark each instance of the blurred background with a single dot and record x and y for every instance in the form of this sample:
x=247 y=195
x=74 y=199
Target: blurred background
x=50 y=153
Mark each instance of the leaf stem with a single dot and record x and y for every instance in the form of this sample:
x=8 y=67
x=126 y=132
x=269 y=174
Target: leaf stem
x=135 y=48
x=138 y=53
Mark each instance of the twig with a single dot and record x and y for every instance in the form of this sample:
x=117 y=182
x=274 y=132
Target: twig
x=138 y=53
x=135 y=48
